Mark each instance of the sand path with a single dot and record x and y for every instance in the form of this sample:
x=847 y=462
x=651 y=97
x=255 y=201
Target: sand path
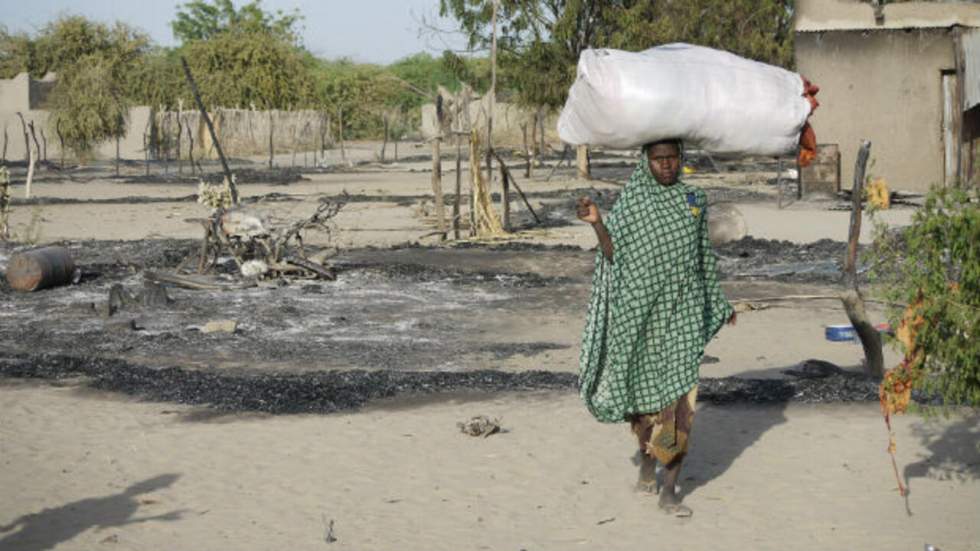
x=403 y=477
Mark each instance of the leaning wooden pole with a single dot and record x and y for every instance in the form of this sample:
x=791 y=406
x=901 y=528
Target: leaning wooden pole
x=505 y=198
x=510 y=176
x=233 y=190
x=851 y=294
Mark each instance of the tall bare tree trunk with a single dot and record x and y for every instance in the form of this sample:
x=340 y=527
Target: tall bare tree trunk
x=340 y=132
x=180 y=132
x=527 y=151
x=27 y=141
x=165 y=142
x=384 y=144
x=31 y=160
x=292 y=158
x=543 y=145
x=493 y=90
x=61 y=145
x=117 y=157
x=459 y=186
x=437 y=182
x=474 y=159
x=505 y=197
x=851 y=295
x=272 y=147
x=190 y=146
x=146 y=147
x=3 y=158
x=44 y=146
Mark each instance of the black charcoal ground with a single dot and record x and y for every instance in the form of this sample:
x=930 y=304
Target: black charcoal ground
x=341 y=390
x=327 y=346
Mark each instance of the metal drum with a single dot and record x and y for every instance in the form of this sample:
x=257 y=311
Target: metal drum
x=40 y=269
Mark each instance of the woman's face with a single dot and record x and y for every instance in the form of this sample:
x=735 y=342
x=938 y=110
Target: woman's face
x=665 y=163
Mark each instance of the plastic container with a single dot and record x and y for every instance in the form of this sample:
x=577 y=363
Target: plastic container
x=840 y=333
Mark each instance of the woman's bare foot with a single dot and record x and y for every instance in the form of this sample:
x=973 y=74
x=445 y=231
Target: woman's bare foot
x=671 y=505
x=647 y=480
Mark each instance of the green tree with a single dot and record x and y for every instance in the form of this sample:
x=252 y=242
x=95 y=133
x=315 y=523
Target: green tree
x=16 y=53
x=89 y=104
x=247 y=69
x=355 y=92
x=63 y=42
x=156 y=79
x=203 y=20
x=540 y=40
x=934 y=266
x=67 y=40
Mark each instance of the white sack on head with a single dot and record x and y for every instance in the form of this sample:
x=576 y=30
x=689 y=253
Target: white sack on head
x=712 y=99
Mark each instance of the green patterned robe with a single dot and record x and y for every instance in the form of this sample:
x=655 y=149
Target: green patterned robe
x=656 y=306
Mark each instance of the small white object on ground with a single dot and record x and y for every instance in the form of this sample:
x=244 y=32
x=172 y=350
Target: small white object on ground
x=254 y=268
x=220 y=326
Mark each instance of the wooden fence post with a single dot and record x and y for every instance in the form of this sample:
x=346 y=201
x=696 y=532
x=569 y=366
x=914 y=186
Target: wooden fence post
x=437 y=183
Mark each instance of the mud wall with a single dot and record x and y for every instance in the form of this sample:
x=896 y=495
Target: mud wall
x=242 y=132
x=886 y=86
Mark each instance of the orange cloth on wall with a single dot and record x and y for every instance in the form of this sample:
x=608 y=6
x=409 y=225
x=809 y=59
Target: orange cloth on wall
x=808 y=138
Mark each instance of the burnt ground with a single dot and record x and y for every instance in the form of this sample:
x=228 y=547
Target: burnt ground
x=406 y=320
x=328 y=391
x=402 y=320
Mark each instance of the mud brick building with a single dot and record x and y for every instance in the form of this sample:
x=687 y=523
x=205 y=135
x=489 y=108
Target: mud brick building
x=904 y=75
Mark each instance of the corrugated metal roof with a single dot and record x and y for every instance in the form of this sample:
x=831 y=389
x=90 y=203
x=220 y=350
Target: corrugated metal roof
x=854 y=15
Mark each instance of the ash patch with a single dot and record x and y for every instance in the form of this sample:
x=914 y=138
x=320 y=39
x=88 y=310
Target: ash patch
x=385 y=311
x=559 y=210
x=517 y=246
x=422 y=273
x=142 y=199
x=752 y=258
x=131 y=200
x=275 y=176
x=333 y=391
x=280 y=393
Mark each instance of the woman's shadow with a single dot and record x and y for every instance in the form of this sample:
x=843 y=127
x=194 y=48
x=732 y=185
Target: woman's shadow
x=720 y=435
x=48 y=528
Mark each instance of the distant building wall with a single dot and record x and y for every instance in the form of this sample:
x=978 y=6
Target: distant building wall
x=12 y=133
x=154 y=134
x=885 y=86
x=15 y=94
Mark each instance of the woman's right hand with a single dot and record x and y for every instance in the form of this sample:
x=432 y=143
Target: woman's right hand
x=587 y=211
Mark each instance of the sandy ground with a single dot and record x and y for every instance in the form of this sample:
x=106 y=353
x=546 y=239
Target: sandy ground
x=377 y=223
x=89 y=471
x=83 y=470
